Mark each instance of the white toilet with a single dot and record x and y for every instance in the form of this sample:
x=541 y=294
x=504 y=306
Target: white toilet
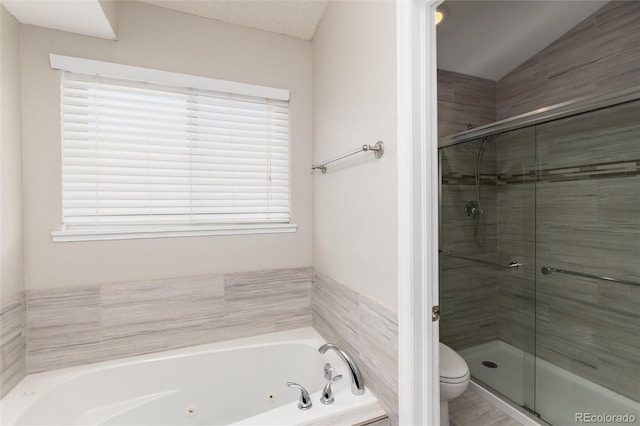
x=454 y=379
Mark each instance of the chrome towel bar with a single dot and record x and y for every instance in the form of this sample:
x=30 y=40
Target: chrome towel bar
x=547 y=270
x=511 y=265
x=378 y=150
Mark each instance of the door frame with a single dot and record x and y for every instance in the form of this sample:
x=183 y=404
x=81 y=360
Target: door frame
x=418 y=335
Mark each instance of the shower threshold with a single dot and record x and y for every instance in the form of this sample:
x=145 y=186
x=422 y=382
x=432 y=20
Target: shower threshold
x=504 y=404
x=559 y=394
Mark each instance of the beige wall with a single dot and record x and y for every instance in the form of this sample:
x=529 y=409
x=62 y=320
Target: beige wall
x=11 y=239
x=110 y=10
x=162 y=39
x=354 y=103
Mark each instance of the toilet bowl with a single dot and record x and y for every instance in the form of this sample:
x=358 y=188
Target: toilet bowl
x=454 y=379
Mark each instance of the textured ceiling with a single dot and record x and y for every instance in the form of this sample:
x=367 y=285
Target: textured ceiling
x=490 y=38
x=293 y=18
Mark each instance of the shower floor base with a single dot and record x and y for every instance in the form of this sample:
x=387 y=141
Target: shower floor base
x=560 y=396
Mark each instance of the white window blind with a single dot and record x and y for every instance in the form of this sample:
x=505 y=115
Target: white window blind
x=143 y=155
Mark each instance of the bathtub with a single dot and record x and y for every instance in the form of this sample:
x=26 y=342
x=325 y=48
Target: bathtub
x=234 y=382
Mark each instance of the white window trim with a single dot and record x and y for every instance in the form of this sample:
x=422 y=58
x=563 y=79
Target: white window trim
x=105 y=235
x=108 y=69
x=129 y=72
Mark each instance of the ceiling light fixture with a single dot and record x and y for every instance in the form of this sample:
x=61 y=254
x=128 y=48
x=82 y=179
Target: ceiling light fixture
x=441 y=14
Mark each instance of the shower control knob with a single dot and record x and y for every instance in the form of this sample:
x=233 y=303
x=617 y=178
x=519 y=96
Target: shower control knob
x=471 y=209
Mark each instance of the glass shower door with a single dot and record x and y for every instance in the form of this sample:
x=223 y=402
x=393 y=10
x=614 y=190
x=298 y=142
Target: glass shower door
x=588 y=222
x=487 y=267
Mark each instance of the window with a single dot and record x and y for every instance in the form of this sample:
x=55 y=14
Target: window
x=141 y=158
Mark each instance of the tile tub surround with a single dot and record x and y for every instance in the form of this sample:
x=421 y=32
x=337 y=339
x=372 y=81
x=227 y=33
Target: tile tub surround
x=109 y=321
x=13 y=344
x=365 y=329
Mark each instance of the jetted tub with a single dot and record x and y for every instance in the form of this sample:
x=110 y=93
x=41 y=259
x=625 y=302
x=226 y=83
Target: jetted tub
x=235 y=382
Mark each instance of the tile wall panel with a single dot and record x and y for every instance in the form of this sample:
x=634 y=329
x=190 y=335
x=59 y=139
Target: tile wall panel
x=272 y=300
x=114 y=320
x=63 y=318
x=600 y=54
x=157 y=306
x=464 y=100
x=336 y=312
x=468 y=302
x=13 y=344
x=365 y=329
x=379 y=347
x=468 y=306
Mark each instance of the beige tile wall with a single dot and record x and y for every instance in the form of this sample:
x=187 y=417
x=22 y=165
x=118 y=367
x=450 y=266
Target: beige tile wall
x=13 y=360
x=365 y=329
x=97 y=323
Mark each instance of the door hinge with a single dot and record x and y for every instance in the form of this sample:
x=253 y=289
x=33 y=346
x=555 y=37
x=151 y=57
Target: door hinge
x=435 y=313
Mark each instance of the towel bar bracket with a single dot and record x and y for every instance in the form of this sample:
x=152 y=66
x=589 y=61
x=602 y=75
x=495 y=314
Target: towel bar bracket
x=378 y=149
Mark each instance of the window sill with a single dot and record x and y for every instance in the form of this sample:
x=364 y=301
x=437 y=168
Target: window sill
x=141 y=233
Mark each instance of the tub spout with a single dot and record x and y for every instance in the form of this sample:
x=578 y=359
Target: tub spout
x=357 y=384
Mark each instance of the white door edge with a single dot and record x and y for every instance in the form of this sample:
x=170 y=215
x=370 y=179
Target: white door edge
x=419 y=385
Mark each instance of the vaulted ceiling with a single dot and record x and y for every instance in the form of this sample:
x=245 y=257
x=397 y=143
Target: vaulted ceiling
x=481 y=38
x=490 y=38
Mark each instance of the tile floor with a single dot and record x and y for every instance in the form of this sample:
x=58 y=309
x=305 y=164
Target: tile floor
x=469 y=409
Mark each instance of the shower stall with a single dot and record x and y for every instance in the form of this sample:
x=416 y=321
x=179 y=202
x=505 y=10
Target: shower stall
x=540 y=258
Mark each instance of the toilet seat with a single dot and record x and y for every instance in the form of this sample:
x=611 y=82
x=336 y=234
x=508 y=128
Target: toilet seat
x=453 y=368
x=456 y=380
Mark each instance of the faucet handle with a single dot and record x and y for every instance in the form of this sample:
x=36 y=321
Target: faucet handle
x=327 y=394
x=305 y=399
